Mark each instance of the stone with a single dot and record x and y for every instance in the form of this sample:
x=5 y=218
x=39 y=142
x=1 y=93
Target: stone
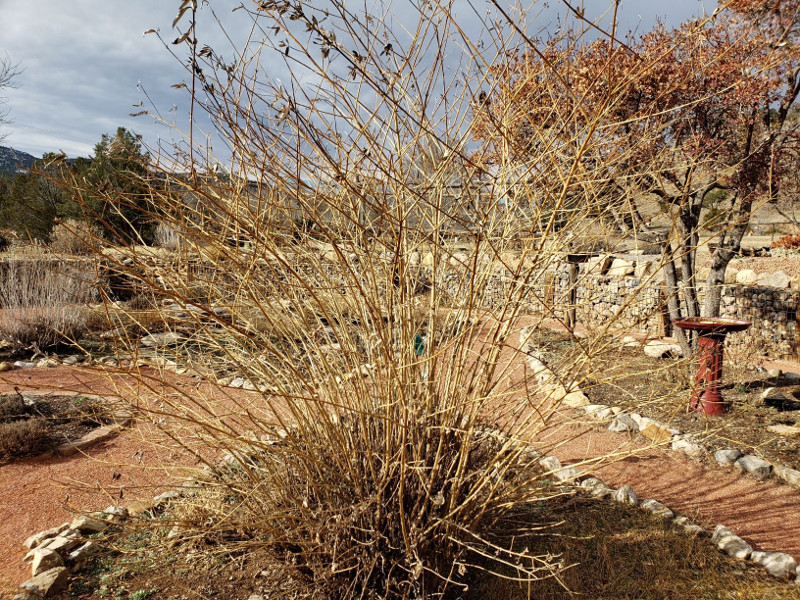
x=256 y=597
x=687 y=526
x=727 y=456
x=772 y=392
x=117 y=513
x=730 y=543
x=625 y=495
x=62 y=544
x=83 y=552
x=568 y=474
x=655 y=432
x=777 y=564
x=774 y=373
x=575 y=399
x=601 y=412
x=622 y=423
x=785 y=430
x=657 y=509
x=36 y=539
x=5 y=366
x=659 y=349
x=746 y=277
x=166 y=496
x=753 y=465
x=621 y=267
x=790 y=476
x=778 y=279
x=21 y=364
x=88 y=525
x=688 y=446
x=48 y=583
x=598 y=265
x=237 y=382
x=550 y=463
x=140 y=507
x=596 y=487
x=157 y=340
x=44 y=559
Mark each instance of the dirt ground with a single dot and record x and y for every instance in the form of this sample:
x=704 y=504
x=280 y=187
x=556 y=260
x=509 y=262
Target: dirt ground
x=37 y=494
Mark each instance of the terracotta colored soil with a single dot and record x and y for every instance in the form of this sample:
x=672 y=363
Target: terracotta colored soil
x=35 y=495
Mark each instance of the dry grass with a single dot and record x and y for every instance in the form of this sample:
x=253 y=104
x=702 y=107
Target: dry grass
x=45 y=302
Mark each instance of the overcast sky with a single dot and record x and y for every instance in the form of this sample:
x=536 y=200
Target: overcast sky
x=86 y=65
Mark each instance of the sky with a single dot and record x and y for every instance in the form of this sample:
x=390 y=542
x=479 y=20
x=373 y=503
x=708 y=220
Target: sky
x=86 y=65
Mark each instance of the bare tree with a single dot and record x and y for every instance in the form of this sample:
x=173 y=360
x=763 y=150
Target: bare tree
x=8 y=72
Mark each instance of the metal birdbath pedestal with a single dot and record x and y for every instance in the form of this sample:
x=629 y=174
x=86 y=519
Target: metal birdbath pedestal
x=711 y=332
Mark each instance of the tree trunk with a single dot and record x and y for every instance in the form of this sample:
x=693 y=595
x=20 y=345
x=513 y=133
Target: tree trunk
x=730 y=243
x=673 y=299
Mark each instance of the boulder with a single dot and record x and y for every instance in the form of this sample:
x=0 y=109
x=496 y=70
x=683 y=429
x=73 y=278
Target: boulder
x=688 y=446
x=83 y=552
x=598 y=265
x=687 y=526
x=86 y=524
x=790 y=476
x=36 y=539
x=785 y=430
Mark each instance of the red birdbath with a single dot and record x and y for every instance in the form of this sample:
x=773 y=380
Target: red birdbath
x=711 y=332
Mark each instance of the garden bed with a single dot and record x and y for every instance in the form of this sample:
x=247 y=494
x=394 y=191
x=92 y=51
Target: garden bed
x=33 y=424
x=660 y=389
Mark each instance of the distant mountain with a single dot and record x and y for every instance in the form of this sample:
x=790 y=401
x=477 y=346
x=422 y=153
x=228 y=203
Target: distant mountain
x=13 y=160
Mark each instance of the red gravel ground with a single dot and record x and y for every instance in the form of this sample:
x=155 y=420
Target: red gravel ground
x=37 y=494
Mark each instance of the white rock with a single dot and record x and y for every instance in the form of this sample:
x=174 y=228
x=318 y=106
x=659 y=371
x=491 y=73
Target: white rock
x=550 y=463
x=746 y=276
x=44 y=559
x=777 y=564
x=621 y=267
x=568 y=474
x=688 y=446
x=86 y=524
x=688 y=527
x=623 y=422
x=753 y=465
x=596 y=487
x=657 y=509
x=37 y=538
x=778 y=279
x=625 y=495
x=730 y=543
x=790 y=476
x=659 y=349
x=49 y=582
x=727 y=456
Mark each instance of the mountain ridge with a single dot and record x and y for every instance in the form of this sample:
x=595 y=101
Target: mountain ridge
x=12 y=160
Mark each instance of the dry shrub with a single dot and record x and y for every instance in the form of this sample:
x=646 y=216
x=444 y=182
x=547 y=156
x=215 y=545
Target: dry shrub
x=45 y=302
x=789 y=242
x=74 y=238
x=24 y=437
x=388 y=441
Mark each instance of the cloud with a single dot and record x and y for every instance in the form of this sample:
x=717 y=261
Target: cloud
x=87 y=65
